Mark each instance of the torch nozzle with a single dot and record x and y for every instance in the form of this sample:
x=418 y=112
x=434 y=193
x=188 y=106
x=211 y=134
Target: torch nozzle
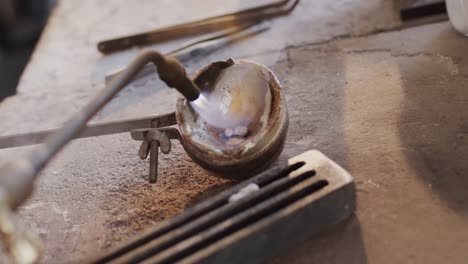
x=172 y=72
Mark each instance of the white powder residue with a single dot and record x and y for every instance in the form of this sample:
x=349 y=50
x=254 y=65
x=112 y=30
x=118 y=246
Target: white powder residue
x=247 y=190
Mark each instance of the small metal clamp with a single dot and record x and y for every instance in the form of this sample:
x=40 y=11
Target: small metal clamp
x=154 y=139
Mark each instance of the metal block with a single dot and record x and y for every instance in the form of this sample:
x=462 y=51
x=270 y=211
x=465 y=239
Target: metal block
x=290 y=203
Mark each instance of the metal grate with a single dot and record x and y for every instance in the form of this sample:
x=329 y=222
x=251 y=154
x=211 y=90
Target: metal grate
x=293 y=201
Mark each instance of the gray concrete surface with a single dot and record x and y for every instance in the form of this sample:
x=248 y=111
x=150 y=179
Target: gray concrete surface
x=389 y=107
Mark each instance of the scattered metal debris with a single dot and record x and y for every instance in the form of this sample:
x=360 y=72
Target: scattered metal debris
x=228 y=132
x=241 y=131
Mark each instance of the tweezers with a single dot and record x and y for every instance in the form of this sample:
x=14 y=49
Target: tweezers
x=203 y=26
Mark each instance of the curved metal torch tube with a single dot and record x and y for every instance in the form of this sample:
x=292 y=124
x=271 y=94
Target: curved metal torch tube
x=17 y=177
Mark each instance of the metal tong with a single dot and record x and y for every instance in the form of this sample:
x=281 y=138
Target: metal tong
x=203 y=26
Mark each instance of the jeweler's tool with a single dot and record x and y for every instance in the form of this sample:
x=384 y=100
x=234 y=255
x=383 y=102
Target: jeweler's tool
x=202 y=26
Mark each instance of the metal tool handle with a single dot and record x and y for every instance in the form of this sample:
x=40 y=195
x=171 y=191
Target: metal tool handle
x=17 y=177
x=162 y=35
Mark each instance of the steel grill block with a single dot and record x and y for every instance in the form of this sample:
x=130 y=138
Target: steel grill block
x=252 y=221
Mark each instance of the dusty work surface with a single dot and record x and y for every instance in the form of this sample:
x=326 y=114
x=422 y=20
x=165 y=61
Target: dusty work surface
x=390 y=107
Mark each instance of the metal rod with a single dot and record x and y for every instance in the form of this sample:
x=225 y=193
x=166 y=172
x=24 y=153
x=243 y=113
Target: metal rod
x=106 y=128
x=154 y=153
x=222 y=35
x=17 y=177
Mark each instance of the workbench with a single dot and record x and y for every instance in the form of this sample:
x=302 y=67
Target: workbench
x=390 y=105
